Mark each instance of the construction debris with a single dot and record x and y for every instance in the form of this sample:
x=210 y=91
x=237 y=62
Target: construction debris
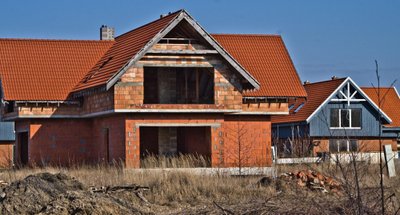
x=313 y=180
x=137 y=190
x=46 y=193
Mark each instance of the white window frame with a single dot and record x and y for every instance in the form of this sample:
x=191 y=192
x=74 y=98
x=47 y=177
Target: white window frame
x=347 y=144
x=350 y=119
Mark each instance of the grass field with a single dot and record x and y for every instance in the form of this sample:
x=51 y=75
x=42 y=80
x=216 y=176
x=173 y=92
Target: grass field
x=181 y=192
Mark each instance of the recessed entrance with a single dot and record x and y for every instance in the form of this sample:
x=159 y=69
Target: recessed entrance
x=177 y=143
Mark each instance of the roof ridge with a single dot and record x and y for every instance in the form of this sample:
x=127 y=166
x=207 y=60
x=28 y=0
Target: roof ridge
x=54 y=40
x=320 y=82
x=251 y=35
x=173 y=13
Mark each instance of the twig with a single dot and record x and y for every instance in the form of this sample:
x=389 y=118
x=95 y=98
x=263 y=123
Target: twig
x=137 y=190
x=226 y=211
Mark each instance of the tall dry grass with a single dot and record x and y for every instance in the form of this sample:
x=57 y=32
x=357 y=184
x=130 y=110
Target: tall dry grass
x=179 y=161
x=167 y=187
x=179 y=189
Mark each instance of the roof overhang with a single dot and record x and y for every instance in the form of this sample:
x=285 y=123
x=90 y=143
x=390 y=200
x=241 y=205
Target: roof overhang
x=183 y=15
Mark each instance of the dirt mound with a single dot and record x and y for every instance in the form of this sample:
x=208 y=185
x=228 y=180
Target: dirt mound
x=47 y=193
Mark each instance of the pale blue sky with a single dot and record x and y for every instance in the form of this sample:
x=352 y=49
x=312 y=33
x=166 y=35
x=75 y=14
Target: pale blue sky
x=324 y=38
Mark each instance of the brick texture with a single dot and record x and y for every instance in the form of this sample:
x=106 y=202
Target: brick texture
x=6 y=154
x=365 y=145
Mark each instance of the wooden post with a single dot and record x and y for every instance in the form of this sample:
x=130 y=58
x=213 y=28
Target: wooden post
x=186 y=86
x=197 y=85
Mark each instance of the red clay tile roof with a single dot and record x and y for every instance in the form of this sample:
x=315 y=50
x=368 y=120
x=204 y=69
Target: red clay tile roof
x=390 y=102
x=52 y=69
x=125 y=47
x=46 y=69
x=317 y=93
x=266 y=58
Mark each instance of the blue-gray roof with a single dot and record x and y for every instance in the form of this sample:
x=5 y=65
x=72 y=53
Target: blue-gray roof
x=7 y=131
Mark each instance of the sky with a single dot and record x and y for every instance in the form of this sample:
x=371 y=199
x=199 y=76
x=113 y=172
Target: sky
x=324 y=38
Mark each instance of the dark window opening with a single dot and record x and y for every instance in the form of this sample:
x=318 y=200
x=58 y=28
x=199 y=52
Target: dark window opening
x=10 y=107
x=23 y=140
x=345 y=118
x=356 y=118
x=176 y=85
x=107 y=144
x=335 y=118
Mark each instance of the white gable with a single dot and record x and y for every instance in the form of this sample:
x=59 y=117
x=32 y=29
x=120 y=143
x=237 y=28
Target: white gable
x=348 y=92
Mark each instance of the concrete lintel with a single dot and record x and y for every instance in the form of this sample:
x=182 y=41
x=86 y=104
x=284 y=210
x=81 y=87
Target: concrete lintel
x=183 y=52
x=175 y=111
x=124 y=84
x=213 y=125
x=175 y=65
x=260 y=113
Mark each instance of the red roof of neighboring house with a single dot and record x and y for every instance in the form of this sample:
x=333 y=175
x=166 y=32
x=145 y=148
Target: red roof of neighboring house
x=266 y=58
x=317 y=93
x=46 y=69
x=125 y=47
x=390 y=102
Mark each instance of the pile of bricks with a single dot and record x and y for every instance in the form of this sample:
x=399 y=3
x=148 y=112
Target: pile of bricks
x=314 y=181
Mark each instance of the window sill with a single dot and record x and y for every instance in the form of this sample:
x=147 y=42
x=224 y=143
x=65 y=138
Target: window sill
x=346 y=128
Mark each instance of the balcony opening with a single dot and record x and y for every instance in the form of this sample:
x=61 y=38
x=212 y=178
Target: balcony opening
x=178 y=85
x=175 y=147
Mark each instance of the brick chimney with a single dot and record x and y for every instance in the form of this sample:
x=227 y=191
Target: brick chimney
x=106 y=33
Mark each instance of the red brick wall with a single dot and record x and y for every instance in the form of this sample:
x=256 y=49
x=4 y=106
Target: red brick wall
x=247 y=141
x=60 y=142
x=65 y=141
x=116 y=127
x=98 y=102
x=365 y=145
x=223 y=142
x=6 y=154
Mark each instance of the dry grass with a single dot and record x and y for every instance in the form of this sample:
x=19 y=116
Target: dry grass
x=178 y=191
x=174 y=190
x=180 y=161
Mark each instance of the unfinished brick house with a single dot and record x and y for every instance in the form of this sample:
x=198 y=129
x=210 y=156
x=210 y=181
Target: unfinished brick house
x=165 y=88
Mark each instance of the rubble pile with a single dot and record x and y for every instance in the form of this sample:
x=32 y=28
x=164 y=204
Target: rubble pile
x=47 y=193
x=313 y=180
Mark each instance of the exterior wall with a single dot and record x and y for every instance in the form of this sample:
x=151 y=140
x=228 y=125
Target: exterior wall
x=98 y=102
x=45 y=110
x=71 y=141
x=247 y=141
x=129 y=91
x=319 y=125
x=6 y=154
x=224 y=141
x=116 y=138
x=365 y=144
x=266 y=107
